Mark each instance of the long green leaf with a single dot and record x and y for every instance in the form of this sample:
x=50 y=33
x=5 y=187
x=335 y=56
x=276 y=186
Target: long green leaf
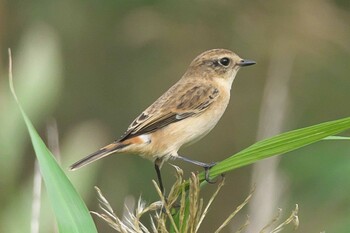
x=280 y=144
x=337 y=138
x=71 y=212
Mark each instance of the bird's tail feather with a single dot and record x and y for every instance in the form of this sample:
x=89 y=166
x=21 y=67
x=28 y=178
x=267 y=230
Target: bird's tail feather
x=103 y=152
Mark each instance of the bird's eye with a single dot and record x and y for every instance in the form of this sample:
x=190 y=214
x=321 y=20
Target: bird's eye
x=225 y=61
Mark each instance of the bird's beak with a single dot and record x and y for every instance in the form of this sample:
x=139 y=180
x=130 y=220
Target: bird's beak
x=246 y=62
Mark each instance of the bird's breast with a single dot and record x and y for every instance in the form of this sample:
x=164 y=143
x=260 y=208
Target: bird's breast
x=169 y=139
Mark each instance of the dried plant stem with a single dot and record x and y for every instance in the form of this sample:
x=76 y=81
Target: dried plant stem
x=273 y=221
x=190 y=214
x=292 y=218
x=209 y=203
x=166 y=207
x=244 y=225
x=36 y=202
x=271 y=120
x=226 y=222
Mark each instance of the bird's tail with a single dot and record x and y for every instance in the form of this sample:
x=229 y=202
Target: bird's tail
x=101 y=153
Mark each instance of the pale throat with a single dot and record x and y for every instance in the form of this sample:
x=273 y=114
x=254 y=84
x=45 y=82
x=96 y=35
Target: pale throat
x=227 y=81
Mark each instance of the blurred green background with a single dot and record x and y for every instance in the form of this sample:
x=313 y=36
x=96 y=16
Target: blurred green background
x=93 y=66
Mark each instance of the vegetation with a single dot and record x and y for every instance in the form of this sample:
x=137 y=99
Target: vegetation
x=73 y=216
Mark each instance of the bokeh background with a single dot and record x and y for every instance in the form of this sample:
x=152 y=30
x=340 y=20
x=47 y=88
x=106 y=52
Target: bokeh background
x=92 y=66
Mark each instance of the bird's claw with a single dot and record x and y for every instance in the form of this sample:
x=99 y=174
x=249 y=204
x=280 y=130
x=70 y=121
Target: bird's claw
x=207 y=175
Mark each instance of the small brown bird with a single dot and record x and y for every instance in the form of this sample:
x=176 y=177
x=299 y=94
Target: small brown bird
x=182 y=115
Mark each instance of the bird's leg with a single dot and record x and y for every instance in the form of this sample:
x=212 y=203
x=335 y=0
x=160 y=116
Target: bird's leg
x=206 y=167
x=157 y=164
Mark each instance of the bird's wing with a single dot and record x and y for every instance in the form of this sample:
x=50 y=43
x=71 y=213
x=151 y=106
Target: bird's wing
x=178 y=103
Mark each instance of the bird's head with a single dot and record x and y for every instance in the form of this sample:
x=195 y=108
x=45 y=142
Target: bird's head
x=217 y=63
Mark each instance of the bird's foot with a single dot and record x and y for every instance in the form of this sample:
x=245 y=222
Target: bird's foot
x=207 y=175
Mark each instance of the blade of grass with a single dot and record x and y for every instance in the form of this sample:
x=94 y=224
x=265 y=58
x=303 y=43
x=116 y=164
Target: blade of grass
x=336 y=138
x=280 y=144
x=71 y=212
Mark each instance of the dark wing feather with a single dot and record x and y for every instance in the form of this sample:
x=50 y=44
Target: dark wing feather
x=177 y=104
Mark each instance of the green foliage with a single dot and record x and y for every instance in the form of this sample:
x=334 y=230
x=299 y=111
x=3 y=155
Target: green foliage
x=71 y=212
x=73 y=216
x=280 y=144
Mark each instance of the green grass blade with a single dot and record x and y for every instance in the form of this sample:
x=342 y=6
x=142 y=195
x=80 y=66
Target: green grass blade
x=337 y=138
x=71 y=212
x=280 y=144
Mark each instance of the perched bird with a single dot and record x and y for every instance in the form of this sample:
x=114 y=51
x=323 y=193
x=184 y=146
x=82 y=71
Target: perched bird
x=182 y=115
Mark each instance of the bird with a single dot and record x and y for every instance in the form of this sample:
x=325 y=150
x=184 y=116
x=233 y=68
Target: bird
x=184 y=114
